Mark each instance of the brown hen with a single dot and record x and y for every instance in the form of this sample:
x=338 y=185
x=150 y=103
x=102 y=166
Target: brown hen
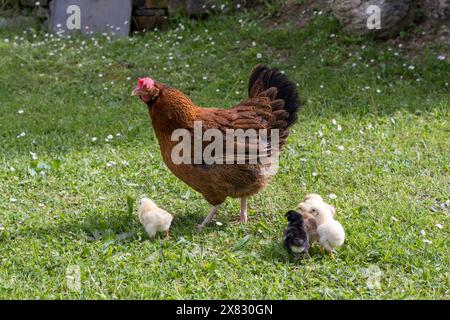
x=272 y=105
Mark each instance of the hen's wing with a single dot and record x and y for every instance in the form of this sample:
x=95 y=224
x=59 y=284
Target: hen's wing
x=251 y=127
x=264 y=118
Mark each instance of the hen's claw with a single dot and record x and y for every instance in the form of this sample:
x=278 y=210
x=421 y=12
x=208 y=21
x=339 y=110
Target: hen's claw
x=199 y=227
x=208 y=218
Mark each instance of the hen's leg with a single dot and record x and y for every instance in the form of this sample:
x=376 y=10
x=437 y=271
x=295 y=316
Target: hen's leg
x=243 y=210
x=208 y=218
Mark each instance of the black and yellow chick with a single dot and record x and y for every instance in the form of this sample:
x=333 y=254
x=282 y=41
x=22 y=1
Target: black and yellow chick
x=296 y=239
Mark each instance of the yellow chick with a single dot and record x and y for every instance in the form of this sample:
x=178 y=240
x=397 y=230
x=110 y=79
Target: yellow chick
x=309 y=219
x=154 y=219
x=330 y=231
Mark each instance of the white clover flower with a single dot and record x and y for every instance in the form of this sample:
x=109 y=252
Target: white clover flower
x=258 y=56
x=332 y=196
x=438 y=225
x=341 y=147
x=110 y=164
x=441 y=57
x=93 y=139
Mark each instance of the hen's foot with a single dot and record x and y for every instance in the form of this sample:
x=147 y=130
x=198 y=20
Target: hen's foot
x=243 y=216
x=199 y=227
x=241 y=220
x=208 y=218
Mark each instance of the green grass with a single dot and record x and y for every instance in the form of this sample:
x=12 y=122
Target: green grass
x=68 y=208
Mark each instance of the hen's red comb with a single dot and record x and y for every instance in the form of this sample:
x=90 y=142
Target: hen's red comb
x=146 y=83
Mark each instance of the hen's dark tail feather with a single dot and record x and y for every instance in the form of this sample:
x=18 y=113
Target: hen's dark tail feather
x=263 y=78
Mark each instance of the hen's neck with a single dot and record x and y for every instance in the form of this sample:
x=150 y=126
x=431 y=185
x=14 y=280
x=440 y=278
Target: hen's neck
x=173 y=110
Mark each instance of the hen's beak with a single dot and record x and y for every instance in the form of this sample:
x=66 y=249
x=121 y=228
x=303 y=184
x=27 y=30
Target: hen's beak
x=138 y=92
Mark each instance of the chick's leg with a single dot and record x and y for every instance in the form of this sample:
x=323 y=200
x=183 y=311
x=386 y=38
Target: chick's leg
x=208 y=218
x=244 y=217
x=328 y=248
x=331 y=255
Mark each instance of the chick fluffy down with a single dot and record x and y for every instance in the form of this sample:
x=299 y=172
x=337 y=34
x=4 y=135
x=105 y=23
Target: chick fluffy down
x=154 y=219
x=331 y=234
